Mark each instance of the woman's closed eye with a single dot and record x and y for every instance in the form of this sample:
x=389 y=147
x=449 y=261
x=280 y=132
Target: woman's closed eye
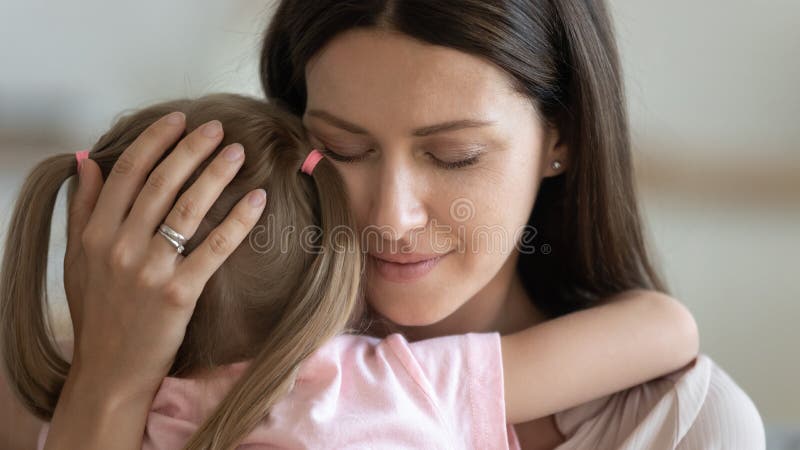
x=470 y=159
x=337 y=156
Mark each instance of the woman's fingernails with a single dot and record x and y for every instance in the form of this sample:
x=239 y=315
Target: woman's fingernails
x=175 y=118
x=233 y=152
x=212 y=129
x=257 y=198
x=80 y=176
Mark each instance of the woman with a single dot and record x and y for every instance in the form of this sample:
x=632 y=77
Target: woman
x=446 y=119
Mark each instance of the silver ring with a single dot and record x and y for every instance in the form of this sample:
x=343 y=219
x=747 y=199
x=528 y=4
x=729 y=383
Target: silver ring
x=168 y=231
x=174 y=242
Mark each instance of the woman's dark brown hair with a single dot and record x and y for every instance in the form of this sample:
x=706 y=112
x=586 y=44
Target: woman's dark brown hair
x=281 y=295
x=562 y=55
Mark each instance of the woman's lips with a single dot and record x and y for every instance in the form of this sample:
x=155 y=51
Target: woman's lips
x=402 y=273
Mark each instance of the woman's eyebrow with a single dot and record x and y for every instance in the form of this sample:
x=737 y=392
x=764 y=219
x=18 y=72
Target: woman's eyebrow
x=419 y=132
x=336 y=121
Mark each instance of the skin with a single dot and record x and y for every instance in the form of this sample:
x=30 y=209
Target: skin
x=368 y=91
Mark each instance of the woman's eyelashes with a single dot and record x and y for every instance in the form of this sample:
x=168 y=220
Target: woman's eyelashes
x=465 y=162
x=457 y=164
x=325 y=150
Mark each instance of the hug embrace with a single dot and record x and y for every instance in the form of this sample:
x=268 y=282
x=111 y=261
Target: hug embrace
x=425 y=236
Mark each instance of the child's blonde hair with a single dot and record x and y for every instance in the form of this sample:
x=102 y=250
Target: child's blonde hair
x=278 y=297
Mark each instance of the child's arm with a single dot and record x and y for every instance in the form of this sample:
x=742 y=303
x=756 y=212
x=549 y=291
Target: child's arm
x=564 y=362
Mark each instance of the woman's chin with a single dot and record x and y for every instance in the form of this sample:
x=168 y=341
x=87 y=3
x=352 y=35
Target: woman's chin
x=412 y=313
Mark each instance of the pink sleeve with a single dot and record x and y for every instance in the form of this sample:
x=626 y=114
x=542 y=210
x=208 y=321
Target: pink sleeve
x=42 y=436
x=463 y=375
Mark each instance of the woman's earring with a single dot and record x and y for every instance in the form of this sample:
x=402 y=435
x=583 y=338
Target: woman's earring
x=556 y=165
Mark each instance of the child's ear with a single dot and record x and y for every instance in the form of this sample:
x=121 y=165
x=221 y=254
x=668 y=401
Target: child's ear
x=556 y=156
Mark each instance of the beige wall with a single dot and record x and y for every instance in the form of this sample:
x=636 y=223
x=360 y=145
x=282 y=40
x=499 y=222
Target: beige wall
x=714 y=107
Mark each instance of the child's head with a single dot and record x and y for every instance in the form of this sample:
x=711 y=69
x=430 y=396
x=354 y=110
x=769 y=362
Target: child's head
x=286 y=290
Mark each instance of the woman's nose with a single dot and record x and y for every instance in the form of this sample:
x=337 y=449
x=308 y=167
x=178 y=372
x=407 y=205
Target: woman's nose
x=398 y=212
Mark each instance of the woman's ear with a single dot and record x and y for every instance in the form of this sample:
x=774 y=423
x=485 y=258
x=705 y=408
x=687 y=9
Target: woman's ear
x=556 y=158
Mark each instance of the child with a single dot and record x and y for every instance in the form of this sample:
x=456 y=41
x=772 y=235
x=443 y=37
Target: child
x=275 y=353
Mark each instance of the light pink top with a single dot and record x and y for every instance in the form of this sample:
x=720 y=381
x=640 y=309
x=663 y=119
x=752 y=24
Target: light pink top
x=361 y=392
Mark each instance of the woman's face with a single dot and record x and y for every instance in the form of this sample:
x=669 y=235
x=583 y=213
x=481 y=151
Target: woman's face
x=445 y=161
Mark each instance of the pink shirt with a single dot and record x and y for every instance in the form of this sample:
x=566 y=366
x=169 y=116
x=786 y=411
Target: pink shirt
x=361 y=392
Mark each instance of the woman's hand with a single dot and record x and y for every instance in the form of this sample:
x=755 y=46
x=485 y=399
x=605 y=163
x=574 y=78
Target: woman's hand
x=130 y=293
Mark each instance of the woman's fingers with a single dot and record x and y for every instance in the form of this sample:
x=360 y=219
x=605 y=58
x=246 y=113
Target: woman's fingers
x=163 y=184
x=193 y=205
x=81 y=205
x=201 y=264
x=129 y=172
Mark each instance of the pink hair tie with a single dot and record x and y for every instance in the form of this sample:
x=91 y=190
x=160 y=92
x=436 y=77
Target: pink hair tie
x=80 y=156
x=311 y=161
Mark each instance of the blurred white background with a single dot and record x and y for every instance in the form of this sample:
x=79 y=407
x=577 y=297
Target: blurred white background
x=714 y=102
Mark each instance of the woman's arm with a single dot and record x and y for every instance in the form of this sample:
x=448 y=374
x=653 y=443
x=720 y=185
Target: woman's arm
x=18 y=427
x=130 y=294
x=99 y=416
x=627 y=340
